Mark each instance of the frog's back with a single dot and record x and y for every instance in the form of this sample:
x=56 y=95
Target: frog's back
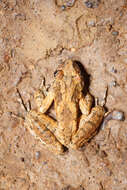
x=66 y=107
x=67 y=88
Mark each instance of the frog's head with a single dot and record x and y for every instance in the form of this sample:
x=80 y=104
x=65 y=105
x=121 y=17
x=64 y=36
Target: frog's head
x=70 y=69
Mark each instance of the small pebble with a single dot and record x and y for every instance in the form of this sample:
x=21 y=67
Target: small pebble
x=113 y=84
x=37 y=155
x=92 y=3
x=115 y=33
x=91 y=23
x=63 y=7
x=114 y=115
x=89 y=4
x=6 y=58
x=22 y=159
x=118 y=115
x=12 y=53
x=113 y=70
x=70 y=3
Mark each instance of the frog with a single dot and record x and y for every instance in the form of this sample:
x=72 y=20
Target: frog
x=77 y=120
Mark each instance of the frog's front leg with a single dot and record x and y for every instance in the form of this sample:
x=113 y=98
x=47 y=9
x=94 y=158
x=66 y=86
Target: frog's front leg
x=43 y=103
x=88 y=125
x=39 y=126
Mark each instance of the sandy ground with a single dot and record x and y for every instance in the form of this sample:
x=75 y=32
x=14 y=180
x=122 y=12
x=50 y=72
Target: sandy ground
x=35 y=37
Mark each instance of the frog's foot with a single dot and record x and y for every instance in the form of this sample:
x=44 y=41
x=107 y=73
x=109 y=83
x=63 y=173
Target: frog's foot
x=38 y=124
x=87 y=127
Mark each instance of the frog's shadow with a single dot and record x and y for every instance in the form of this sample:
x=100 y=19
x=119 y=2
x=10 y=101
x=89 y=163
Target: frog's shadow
x=86 y=78
x=85 y=75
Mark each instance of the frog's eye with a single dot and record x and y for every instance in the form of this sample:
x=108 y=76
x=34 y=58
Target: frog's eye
x=58 y=73
x=55 y=73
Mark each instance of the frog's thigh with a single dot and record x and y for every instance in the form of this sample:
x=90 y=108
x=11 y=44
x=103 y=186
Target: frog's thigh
x=38 y=125
x=87 y=127
x=46 y=121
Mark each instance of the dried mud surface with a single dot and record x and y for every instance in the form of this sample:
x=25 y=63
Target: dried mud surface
x=36 y=36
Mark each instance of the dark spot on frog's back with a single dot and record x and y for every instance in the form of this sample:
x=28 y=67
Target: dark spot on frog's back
x=67 y=115
x=59 y=97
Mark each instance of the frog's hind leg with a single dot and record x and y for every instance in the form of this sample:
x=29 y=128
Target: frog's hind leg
x=38 y=124
x=88 y=126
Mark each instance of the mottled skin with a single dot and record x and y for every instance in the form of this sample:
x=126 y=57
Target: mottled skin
x=69 y=130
